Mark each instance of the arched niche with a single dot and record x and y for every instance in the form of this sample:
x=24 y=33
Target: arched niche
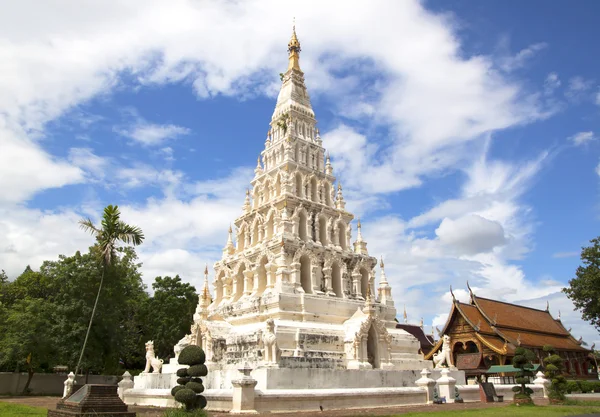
x=306 y=274
x=262 y=276
x=299 y=185
x=314 y=189
x=238 y=286
x=364 y=281
x=323 y=230
x=342 y=235
x=270 y=225
x=327 y=193
x=303 y=226
x=373 y=348
x=336 y=280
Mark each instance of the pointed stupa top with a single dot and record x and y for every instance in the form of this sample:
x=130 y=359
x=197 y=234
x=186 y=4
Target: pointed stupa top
x=405 y=315
x=359 y=237
x=294 y=50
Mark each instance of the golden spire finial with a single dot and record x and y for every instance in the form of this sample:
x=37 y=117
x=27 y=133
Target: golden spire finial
x=230 y=229
x=381 y=263
x=294 y=50
x=205 y=269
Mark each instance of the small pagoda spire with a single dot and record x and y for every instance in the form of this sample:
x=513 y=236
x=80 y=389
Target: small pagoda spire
x=202 y=309
x=258 y=170
x=405 y=315
x=547 y=305
x=318 y=137
x=294 y=50
x=268 y=139
x=328 y=166
x=360 y=246
x=229 y=247
x=421 y=324
x=385 y=291
x=558 y=315
x=340 y=204
x=247 y=207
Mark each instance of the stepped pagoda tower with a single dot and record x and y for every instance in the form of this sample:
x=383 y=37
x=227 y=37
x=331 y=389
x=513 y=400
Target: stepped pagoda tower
x=291 y=289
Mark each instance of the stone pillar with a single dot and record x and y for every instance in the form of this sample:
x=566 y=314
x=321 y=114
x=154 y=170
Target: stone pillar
x=243 y=392
x=296 y=276
x=446 y=385
x=125 y=384
x=427 y=383
x=327 y=282
x=247 y=280
x=271 y=271
x=356 y=277
x=315 y=273
x=541 y=380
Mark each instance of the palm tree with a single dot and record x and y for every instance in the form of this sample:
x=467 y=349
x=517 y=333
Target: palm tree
x=112 y=230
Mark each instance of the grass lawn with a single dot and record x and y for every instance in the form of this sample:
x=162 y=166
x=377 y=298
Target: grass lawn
x=17 y=410
x=513 y=410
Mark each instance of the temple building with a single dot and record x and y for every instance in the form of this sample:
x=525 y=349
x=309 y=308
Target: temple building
x=485 y=332
x=293 y=290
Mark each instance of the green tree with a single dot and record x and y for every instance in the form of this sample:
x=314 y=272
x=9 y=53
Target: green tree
x=118 y=324
x=554 y=372
x=25 y=335
x=584 y=289
x=169 y=313
x=523 y=362
x=112 y=231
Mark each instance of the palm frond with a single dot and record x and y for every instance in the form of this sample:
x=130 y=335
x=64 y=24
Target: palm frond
x=88 y=226
x=129 y=234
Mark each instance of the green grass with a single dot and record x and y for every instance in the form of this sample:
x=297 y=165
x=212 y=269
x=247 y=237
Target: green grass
x=178 y=412
x=509 y=411
x=18 y=410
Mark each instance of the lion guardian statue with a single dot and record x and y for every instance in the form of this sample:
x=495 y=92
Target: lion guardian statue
x=442 y=359
x=152 y=360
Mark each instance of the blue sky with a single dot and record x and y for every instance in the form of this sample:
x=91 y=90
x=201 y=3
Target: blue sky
x=465 y=133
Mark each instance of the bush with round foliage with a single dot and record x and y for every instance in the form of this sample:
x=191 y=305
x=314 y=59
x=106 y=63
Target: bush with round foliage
x=554 y=372
x=197 y=387
x=192 y=355
x=522 y=361
x=197 y=370
x=190 y=385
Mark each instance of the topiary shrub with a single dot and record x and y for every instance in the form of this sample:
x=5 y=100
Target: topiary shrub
x=197 y=370
x=554 y=372
x=586 y=386
x=192 y=355
x=522 y=361
x=572 y=386
x=190 y=385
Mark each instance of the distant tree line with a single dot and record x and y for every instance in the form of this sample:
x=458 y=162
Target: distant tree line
x=44 y=314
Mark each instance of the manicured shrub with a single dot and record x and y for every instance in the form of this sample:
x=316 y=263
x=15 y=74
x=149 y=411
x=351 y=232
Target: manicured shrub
x=572 y=386
x=190 y=386
x=197 y=370
x=586 y=386
x=554 y=372
x=197 y=387
x=176 y=388
x=184 y=380
x=522 y=361
x=192 y=355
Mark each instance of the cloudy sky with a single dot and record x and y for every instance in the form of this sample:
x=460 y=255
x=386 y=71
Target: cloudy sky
x=465 y=133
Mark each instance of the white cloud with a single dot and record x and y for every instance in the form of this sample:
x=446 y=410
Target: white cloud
x=85 y=159
x=582 y=138
x=470 y=234
x=578 y=88
x=519 y=60
x=25 y=168
x=151 y=134
x=551 y=83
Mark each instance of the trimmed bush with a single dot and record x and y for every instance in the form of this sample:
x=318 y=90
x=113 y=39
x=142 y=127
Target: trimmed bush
x=197 y=370
x=586 y=386
x=187 y=397
x=197 y=387
x=201 y=401
x=190 y=386
x=176 y=388
x=572 y=386
x=192 y=355
x=184 y=380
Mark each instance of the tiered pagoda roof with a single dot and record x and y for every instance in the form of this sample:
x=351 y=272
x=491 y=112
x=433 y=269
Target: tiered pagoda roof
x=503 y=327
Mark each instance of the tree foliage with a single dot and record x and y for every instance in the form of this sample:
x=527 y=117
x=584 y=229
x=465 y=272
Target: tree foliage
x=169 y=313
x=554 y=372
x=523 y=362
x=584 y=289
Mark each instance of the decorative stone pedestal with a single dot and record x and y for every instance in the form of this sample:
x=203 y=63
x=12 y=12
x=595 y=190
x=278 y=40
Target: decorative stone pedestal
x=92 y=400
x=243 y=393
x=541 y=380
x=446 y=385
x=426 y=382
x=125 y=384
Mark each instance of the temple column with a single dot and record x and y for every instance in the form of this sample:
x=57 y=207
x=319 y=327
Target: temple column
x=248 y=282
x=328 y=282
x=315 y=277
x=295 y=274
x=356 y=277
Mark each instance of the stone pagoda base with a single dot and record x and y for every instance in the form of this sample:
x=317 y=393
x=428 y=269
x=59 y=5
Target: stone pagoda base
x=92 y=400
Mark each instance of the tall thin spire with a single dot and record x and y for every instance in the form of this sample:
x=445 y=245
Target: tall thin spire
x=405 y=315
x=294 y=50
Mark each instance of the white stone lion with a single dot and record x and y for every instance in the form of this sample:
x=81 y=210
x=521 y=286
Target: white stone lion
x=152 y=360
x=442 y=359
